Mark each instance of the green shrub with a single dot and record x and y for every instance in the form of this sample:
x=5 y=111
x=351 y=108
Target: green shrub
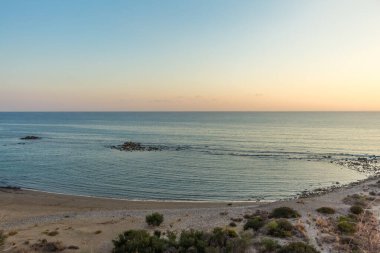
x=172 y=238
x=346 y=227
x=268 y=245
x=157 y=233
x=326 y=210
x=232 y=224
x=254 y=223
x=280 y=228
x=356 y=209
x=154 y=219
x=137 y=241
x=356 y=199
x=140 y=241
x=192 y=239
x=2 y=238
x=298 y=247
x=346 y=224
x=284 y=212
x=220 y=237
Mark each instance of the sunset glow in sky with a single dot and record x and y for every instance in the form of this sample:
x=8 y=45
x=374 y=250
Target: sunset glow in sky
x=197 y=55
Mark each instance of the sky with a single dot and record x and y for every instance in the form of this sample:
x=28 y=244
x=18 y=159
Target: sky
x=189 y=55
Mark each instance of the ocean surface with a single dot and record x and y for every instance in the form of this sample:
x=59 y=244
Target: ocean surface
x=207 y=155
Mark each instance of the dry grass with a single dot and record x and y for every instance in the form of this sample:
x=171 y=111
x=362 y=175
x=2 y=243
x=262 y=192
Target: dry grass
x=12 y=233
x=50 y=233
x=368 y=233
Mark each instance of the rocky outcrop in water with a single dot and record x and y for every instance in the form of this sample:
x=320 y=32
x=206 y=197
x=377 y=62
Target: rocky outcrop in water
x=130 y=146
x=30 y=137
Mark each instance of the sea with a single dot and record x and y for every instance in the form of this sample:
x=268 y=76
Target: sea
x=205 y=156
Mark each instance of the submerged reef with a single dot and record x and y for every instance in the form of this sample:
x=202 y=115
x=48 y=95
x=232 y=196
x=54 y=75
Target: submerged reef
x=30 y=137
x=136 y=146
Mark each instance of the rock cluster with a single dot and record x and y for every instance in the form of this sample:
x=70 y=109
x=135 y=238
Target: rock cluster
x=135 y=146
x=368 y=165
x=30 y=137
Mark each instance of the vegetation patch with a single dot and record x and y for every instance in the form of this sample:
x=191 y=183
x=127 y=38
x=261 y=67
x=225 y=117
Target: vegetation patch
x=280 y=228
x=356 y=199
x=298 y=247
x=73 y=247
x=346 y=225
x=12 y=233
x=50 y=233
x=2 y=238
x=356 y=209
x=219 y=240
x=232 y=224
x=154 y=219
x=326 y=210
x=284 y=212
x=45 y=246
x=254 y=223
x=268 y=245
x=237 y=219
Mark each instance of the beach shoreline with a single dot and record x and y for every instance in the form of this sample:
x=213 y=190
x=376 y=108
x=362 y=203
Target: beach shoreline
x=77 y=218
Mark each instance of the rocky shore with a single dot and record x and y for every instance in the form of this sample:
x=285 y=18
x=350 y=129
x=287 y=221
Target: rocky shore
x=367 y=165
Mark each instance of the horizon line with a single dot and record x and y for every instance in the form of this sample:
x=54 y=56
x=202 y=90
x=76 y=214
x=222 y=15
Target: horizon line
x=197 y=111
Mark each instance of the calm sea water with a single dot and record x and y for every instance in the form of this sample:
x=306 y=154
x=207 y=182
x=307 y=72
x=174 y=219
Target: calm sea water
x=222 y=156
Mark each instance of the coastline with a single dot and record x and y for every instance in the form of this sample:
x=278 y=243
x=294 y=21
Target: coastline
x=77 y=218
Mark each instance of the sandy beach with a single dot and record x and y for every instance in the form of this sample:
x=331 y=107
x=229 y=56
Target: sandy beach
x=91 y=223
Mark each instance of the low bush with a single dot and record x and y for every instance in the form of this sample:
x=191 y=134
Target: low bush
x=298 y=247
x=237 y=219
x=326 y=210
x=50 y=233
x=46 y=246
x=268 y=245
x=220 y=240
x=356 y=209
x=254 y=223
x=192 y=239
x=280 y=228
x=154 y=219
x=138 y=241
x=284 y=212
x=2 y=238
x=349 y=218
x=157 y=233
x=346 y=225
x=356 y=199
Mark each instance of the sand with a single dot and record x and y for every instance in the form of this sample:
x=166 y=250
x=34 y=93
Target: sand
x=91 y=223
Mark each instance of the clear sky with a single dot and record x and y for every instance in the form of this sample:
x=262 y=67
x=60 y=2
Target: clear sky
x=75 y=55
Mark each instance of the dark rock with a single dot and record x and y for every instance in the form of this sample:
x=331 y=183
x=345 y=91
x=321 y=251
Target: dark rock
x=136 y=146
x=9 y=187
x=30 y=137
